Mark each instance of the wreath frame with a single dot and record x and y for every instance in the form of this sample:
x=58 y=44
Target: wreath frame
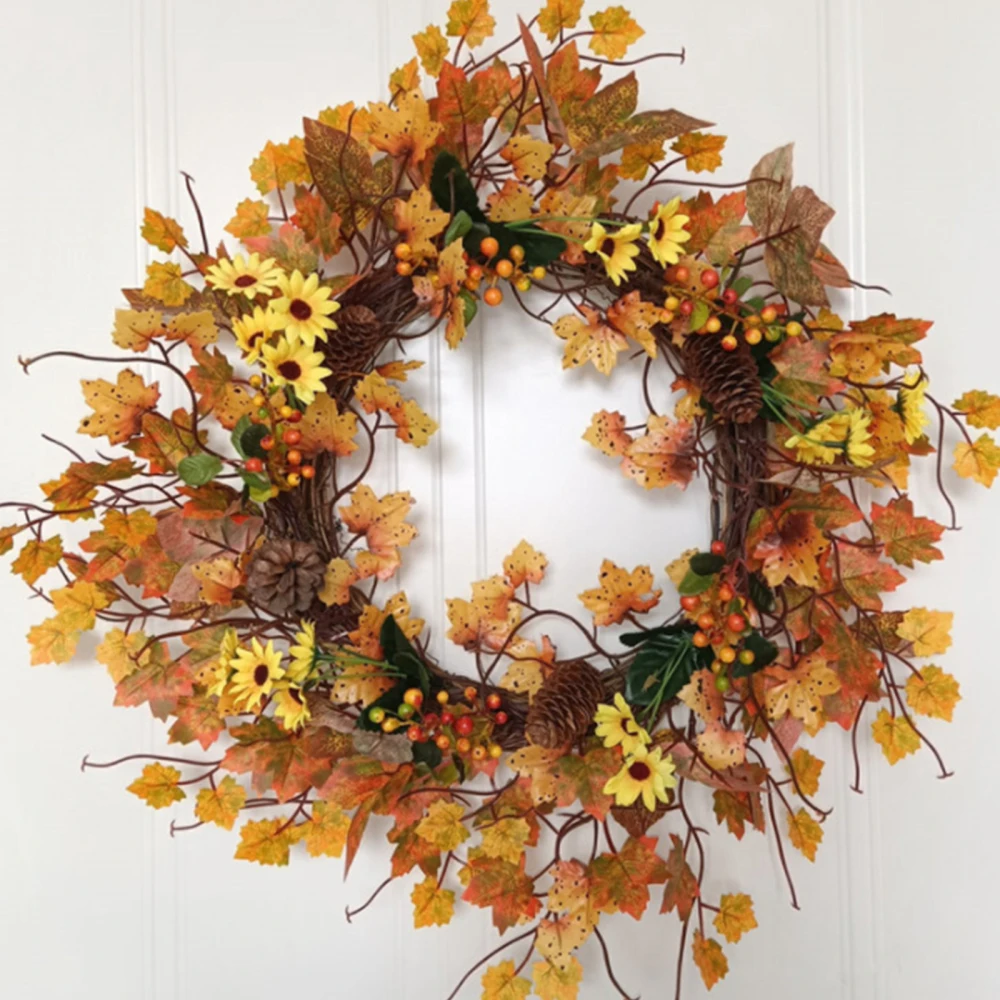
x=787 y=412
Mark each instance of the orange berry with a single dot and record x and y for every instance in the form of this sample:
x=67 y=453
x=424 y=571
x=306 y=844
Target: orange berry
x=294 y=457
x=493 y=296
x=682 y=274
x=713 y=325
x=517 y=253
x=479 y=753
x=443 y=743
x=727 y=654
x=769 y=314
x=307 y=472
x=700 y=640
x=267 y=442
x=729 y=342
x=404 y=268
x=752 y=337
x=489 y=247
x=463 y=745
x=403 y=251
x=471 y=693
x=504 y=268
x=736 y=622
x=493 y=701
x=475 y=272
x=725 y=593
x=292 y=437
x=472 y=284
x=706 y=622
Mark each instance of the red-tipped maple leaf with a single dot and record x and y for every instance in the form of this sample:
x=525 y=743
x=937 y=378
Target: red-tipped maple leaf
x=682 y=888
x=620 y=882
x=504 y=887
x=906 y=538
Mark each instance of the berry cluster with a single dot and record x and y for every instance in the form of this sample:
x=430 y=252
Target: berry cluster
x=281 y=444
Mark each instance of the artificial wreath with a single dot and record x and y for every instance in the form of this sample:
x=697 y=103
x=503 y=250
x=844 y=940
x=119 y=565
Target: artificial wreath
x=238 y=561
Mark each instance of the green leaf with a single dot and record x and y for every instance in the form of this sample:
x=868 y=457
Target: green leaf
x=636 y=638
x=764 y=652
x=700 y=314
x=706 y=563
x=247 y=436
x=459 y=226
x=197 y=470
x=470 y=305
x=399 y=651
x=760 y=593
x=237 y=436
x=663 y=666
x=694 y=584
x=742 y=285
x=427 y=753
x=452 y=189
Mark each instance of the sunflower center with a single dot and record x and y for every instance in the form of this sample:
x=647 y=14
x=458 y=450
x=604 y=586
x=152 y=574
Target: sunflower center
x=290 y=370
x=293 y=693
x=658 y=229
x=255 y=337
x=300 y=310
x=260 y=674
x=245 y=281
x=639 y=771
x=608 y=247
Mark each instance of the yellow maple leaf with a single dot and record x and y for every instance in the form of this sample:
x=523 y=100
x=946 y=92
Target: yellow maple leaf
x=709 y=958
x=620 y=593
x=118 y=406
x=442 y=826
x=614 y=31
x=804 y=833
x=735 y=917
x=218 y=578
x=701 y=152
x=280 y=163
x=413 y=426
x=326 y=833
x=535 y=763
x=638 y=158
x=933 y=692
x=800 y=691
x=528 y=156
x=526 y=671
x=979 y=461
x=506 y=839
x=383 y=522
x=489 y=619
x=120 y=653
x=221 y=805
x=157 y=785
x=404 y=79
x=589 y=339
x=398 y=370
x=555 y=983
x=557 y=15
x=353 y=121
x=807 y=769
x=36 y=558
x=636 y=318
x=418 y=222
x=250 y=219
x=53 y=641
x=162 y=232
x=359 y=684
x=513 y=202
x=607 y=433
x=980 y=409
x=165 y=283
x=196 y=329
x=928 y=631
x=340 y=576
x=680 y=567
x=365 y=638
x=432 y=905
x=77 y=605
x=406 y=130
x=524 y=565
x=266 y=841
x=470 y=20
x=663 y=456
x=325 y=428
x=432 y=47
x=135 y=330
x=501 y=982
x=895 y=735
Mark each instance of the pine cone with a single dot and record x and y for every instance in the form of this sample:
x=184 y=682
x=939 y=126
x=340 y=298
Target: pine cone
x=728 y=380
x=564 y=707
x=636 y=818
x=352 y=347
x=285 y=575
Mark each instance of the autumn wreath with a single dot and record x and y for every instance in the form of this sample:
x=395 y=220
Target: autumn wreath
x=239 y=555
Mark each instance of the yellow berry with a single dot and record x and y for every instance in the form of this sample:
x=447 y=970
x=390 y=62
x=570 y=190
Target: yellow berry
x=672 y=304
x=713 y=325
x=769 y=314
x=256 y=381
x=752 y=337
x=752 y=321
x=286 y=412
x=539 y=273
x=727 y=654
x=517 y=253
x=294 y=479
x=442 y=697
x=496 y=751
x=794 y=329
x=390 y=725
x=523 y=285
x=260 y=400
x=729 y=342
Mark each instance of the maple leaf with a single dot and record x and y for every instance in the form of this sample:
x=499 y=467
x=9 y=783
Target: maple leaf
x=157 y=786
x=383 y=522
x=906 y=538
x=528 y=156
x=863 y=576
x=895 y=735
x=590 y=339
x=322 y=226
x=557 y=15
x=512 y=203
x=135 y=331
x=325 y=428
x=165 y=283
x=326 y=832
x=470 y=20
x=607 y=433
x=251 y=219
x=800 y=690
x=366 y=638
x=735 y=917
x=406 y=130
x=490 y=618
x=583 y=777
x=701 y=152
x=443 y=827
x=432 y=905
x=979 y=461
x=159 y=681
x=506 y=839
x=788 y=545
x=932 y=692
x=118 y=407
x=413 y=426
x=162 y=232
x=196 y=329
x=165 y=443
x=636 y=318
x=528 y=667
x=221 y=805
x=638 y=158
x=501 y=982
x=120 y=653
x=502 y=886
x=212 y=380
x=804 y=833
x=807 y=769
x=614 y=31
x=404 y=79
x=37 y=558
x=265 y=841
x=620 y=592
x=620 y=882
x=709 y=958
x=721 y=747
x=707 y=218
x=735 y=808
x=279 y=164
x=53 y=641
x=432 y=48
x=197 y=719
x=524 y=565
x=681 y=889
x=535 y=764
x=872 y=345
x=218 y=578
x=418 y=222
x=928 y=631
x=663 y=456
x=77 y=605
x=980 y=409
x=803 y=371
x=553 y=982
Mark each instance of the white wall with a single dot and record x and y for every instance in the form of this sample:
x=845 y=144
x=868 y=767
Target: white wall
x=894 y=110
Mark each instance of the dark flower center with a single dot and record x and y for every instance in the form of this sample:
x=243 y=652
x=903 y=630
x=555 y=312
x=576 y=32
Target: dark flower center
x=260 y=674
x=295 y=695
x=300 y=310
x=639 y=771
x=254 y=337
x=290 y=370
x=608 y=247
x=245 y=281
x=658 y=229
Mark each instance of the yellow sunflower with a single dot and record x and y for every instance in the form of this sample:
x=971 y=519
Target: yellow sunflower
x=616 y=249
x=822 y=443
x=303 y=654
x=290 y=706
x=240 y=276
x=296 y=365
x=257 y=668
x=859 y=451
x=910 y=406
x=228 y=649
x=616 y=725
x=644 y=773
x=253 y=332
x=667 y=233
x=304 y=308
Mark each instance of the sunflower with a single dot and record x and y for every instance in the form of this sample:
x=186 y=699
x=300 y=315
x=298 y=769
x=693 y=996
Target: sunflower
x=228 y=649
x=290 y=706
x=304 y=308
x=822 y=443
x=303 y=654
x=257 y=669
x=616 y=725
x=296 y=365
x=616 y=249
x=910 y=406
x=253 y=332
x=240 y=276
x=859 y=451
x=667 y=232
x=644 y=773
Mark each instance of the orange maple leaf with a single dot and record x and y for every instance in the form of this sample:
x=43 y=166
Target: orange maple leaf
x=590 y=339
x=382 y=521
x=325 y=428
x=489 y=619
x=701 y=152
x=663 y=456
x=607 y=433
x=118 y=407
x=418 y=222
x=620 y=593
x=788 y=545
x=365 y=638
x=406 y=130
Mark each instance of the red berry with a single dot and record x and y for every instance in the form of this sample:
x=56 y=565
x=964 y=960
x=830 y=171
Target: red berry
x=430 y=721
x=307 y=472
x=291 y=436
x=295 y=417
x=254 y=465
x=464 y=725
x=682 y=274
x=690 y=603
x=725 y=593
x=267 y=443
x=710 y=278
x=736 y=623
x=729 y=343
x=493 y=702
x=416 y=734
x=730 y=297
x=687 y=307
x=471 y=693
x=705 y=622
x=443 y=742
x=718 y=548
x=501 y=718
x=447 y=718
